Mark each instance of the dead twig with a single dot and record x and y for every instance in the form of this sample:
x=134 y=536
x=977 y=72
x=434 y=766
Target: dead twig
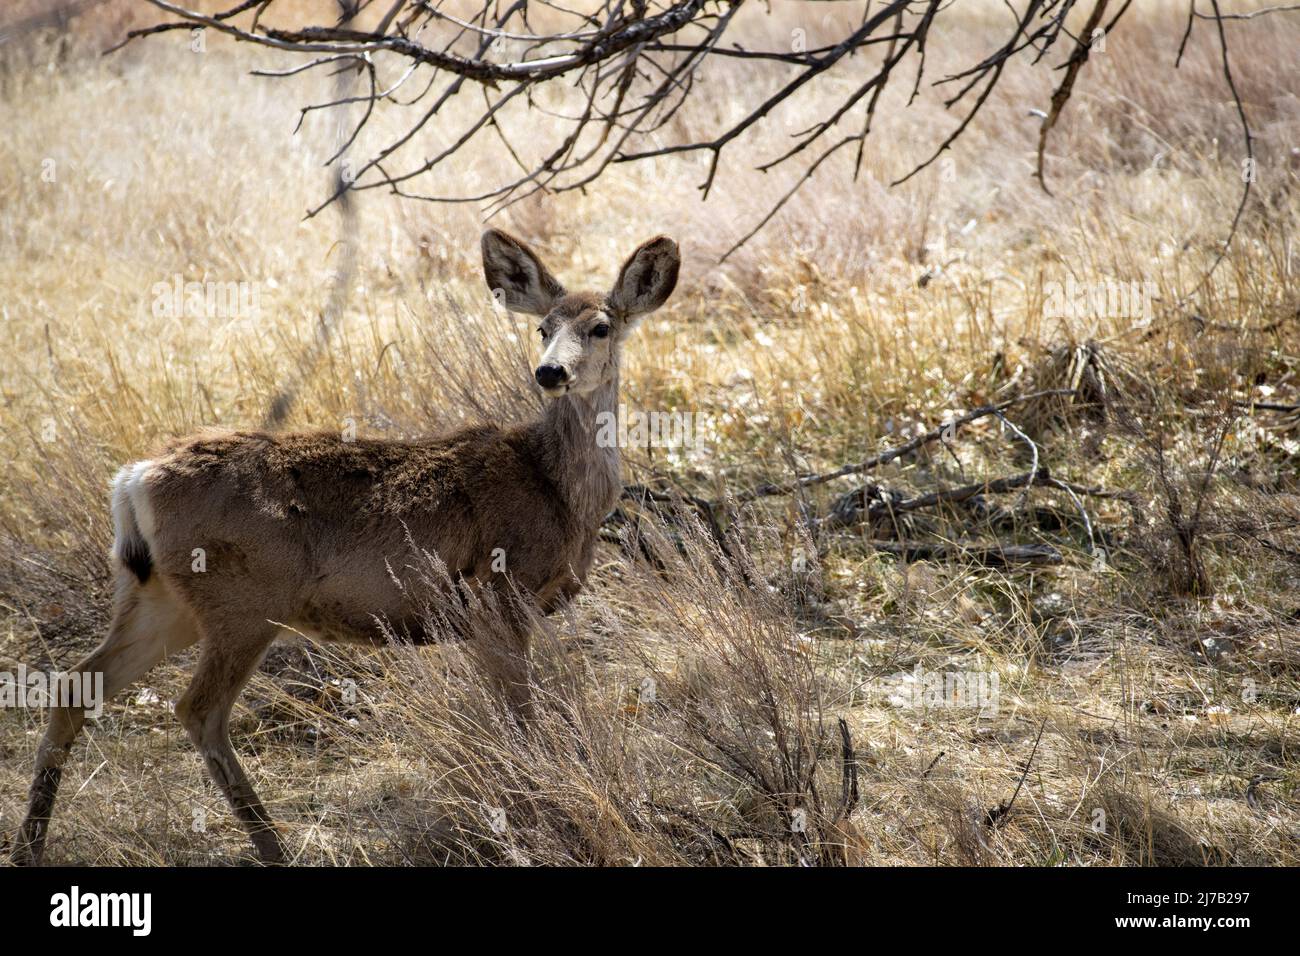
x=995 y=817
x=945 y=431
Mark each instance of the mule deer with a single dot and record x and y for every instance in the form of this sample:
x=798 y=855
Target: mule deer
x=296 y=529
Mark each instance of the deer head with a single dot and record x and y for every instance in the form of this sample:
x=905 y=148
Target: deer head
x=581 y=331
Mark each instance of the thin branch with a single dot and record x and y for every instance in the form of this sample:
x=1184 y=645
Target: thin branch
x=945 y=430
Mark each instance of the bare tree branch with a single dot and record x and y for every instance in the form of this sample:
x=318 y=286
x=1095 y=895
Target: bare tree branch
x=637 y=62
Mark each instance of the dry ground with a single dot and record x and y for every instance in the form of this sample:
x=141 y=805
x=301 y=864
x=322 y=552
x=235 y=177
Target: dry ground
x=1148 y=683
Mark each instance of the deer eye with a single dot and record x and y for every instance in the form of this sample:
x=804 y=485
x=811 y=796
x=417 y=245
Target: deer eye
x=541 y=331
x=600 y=331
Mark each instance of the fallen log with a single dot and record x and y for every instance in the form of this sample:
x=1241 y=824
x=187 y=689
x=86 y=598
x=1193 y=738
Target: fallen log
x=994 y=555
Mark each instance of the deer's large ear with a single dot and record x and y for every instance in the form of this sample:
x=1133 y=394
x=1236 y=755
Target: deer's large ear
x=647 y=279
x=526 y=285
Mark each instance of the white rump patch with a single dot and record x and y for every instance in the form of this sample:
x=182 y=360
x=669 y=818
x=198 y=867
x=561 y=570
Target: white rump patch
x=132 y=512
x=121 y=504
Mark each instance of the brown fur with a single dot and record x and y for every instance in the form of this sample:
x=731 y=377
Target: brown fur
x=311 y=530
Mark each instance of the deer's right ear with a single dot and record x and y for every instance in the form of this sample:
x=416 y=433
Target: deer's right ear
x=526 y=285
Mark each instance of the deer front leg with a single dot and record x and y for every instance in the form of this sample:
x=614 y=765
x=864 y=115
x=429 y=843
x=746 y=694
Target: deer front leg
x=498 y=626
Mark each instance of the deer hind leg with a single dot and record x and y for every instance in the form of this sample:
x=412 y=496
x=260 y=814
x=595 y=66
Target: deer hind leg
x=230 y=655
x=148 y=624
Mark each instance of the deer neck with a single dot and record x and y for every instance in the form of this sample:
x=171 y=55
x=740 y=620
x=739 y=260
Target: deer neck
x=586 y=470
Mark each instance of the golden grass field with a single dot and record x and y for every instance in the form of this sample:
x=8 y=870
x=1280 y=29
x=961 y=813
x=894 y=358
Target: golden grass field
x=1148 y=702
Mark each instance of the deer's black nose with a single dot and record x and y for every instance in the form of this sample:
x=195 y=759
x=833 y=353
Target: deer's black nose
x=551 y=376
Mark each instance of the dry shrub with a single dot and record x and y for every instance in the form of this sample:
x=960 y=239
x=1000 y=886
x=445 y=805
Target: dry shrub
x=1098 y=378
x=594 y=769
x=1182 y=471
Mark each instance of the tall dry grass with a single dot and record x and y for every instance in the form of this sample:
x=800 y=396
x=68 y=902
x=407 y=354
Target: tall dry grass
x=691 y=705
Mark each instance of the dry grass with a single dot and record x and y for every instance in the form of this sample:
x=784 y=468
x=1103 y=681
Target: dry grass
x=1164 y=679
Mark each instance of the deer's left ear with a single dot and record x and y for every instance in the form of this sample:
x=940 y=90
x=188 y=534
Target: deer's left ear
x=647 y=279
